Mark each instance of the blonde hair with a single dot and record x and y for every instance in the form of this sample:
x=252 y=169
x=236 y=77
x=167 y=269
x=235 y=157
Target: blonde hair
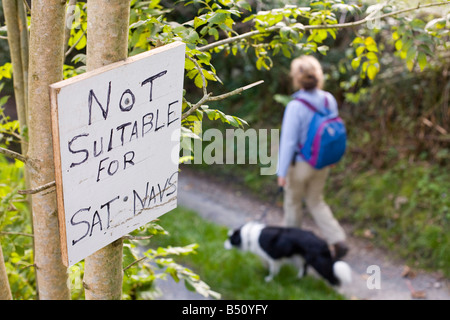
x=306 y=73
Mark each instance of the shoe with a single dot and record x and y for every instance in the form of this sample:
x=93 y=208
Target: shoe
x=340 y=250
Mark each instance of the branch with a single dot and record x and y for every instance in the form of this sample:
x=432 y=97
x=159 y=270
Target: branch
x=38 y=189
x=209 y=97
x=237 y=91
x=237 y=38
x=374 y=17
x=316 y=27
x=5 y=233
x=14 y=155
x=196 y=106
x=70 y=5
x=75 y=44
x=137 y=238
x=201 y=74
x=133 y=263
x=27 y=6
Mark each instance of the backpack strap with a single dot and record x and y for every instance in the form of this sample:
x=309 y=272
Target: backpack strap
x=313 y=108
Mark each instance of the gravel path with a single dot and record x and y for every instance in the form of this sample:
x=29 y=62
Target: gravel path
x=226 y=205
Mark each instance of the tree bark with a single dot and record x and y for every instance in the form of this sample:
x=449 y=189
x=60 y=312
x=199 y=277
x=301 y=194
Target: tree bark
x=24 y=48
x=5 y=290
x=46 y=66
x=12 y=9
x=107 y=42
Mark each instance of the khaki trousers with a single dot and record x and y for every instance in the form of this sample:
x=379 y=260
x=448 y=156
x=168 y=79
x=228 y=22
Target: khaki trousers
x=305 y=182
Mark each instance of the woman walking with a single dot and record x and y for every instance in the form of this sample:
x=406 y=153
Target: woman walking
x=298 y=178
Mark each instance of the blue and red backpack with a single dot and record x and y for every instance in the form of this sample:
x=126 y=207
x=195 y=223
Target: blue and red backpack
x=326 y=137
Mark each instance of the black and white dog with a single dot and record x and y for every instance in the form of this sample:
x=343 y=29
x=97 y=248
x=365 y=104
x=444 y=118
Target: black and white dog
x=279 y=245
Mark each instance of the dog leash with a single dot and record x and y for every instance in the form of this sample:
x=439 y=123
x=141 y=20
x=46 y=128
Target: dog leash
x=273 y=202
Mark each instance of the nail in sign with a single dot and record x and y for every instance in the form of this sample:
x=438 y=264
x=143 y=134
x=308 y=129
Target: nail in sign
x=116 y=138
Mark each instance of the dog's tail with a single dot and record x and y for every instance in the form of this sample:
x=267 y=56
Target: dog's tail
x=343 y=272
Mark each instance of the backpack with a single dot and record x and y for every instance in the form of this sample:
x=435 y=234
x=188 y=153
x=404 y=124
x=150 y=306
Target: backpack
x=326 y=138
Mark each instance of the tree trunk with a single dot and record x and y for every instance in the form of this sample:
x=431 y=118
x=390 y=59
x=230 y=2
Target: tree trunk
x=46 y=66
x=24 y=48
x=12 y=9
x=107 y=43
x=11 y=13
x=5 y=290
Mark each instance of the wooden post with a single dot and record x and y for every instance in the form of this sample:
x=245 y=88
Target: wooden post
x=5 y=290
x=46 y=67
x=17 y=39
x=107 y=42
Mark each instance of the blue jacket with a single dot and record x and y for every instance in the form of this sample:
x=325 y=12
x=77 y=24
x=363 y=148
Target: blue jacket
x=295 y=125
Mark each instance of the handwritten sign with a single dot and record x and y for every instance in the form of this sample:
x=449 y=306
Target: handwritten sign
x=116 y=133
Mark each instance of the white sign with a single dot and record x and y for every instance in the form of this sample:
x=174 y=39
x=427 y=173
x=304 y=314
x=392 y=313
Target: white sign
x=116 y=133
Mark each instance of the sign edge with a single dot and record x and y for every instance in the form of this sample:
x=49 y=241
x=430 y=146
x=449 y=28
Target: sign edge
x=58 y=174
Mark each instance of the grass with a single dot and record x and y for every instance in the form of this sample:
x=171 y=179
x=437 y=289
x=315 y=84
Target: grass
x=406 y=209
x=234 y=274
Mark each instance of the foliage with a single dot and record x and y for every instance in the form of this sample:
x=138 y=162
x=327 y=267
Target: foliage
x=14 y=216
x=139 y=279
x=405 y=209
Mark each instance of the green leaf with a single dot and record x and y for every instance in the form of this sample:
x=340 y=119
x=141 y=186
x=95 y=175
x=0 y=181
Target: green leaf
x=209 y=75
x=372 y=48
x=369 y=41
x=360 y=50
x=422 y=59
x=218 y=18
x=395 y=36
x=286 y=53
x=372 y=71
x=364 y=66
x=82 y=43
x=438 y=23
x=411 y=54
x=245 y=5
x=356 y=62
x=410 y=64
x=407 y=45
x=199 y=81
x=189 y=65
x=191 y=36
x=199 y=21
x=5 y=70
x=358 y=40
x=323 y=49
x=372 y=56
x=213 y=32
x=322 y=34
x=284 y=32
x=3 y=100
